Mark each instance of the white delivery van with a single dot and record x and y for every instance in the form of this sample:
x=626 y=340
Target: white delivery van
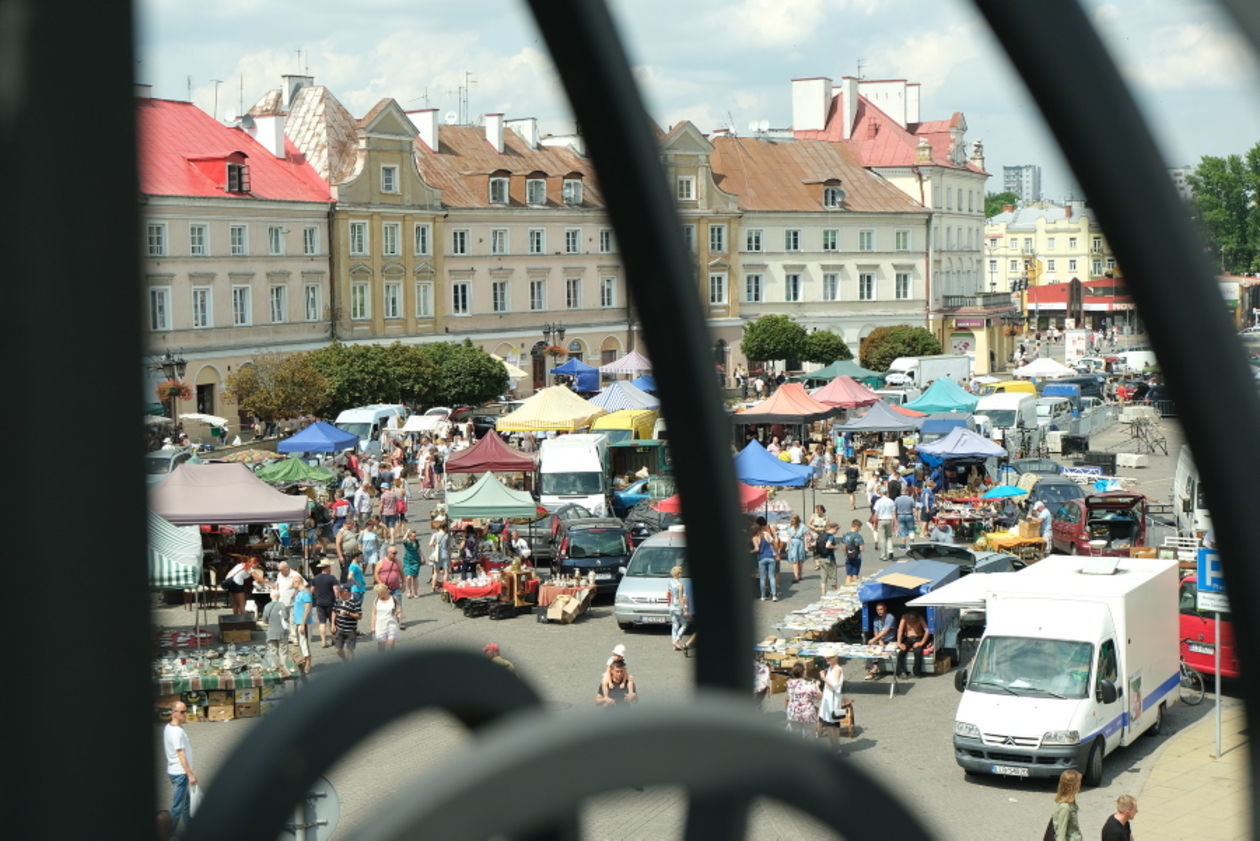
x=1189 y=503
x=572 y=468
x=1010 y=418
x=368 y=422
x=1079 y=657
x=1054 y=413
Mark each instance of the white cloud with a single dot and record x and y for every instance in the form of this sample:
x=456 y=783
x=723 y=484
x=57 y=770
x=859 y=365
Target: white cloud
x=770 y=23
x=1187 y=56
x=929 y=56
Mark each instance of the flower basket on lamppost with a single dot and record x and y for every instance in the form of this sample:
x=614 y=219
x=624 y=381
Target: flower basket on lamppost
x=173 y=387
x=555 y=351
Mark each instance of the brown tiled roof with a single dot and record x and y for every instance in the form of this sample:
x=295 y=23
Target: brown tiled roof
x=324 y=130
x=270 y=105
x=462 y=169
x=789 y=175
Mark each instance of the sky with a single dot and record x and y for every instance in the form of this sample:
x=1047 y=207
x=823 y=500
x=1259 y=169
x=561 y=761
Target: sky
x=719 y=64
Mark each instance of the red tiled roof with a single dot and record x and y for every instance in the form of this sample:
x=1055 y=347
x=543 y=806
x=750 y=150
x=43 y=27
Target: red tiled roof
x=174 y=135
x=1057 y=293
x=879 y=140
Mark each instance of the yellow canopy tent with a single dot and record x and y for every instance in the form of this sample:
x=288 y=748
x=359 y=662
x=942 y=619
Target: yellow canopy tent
x=552 y=408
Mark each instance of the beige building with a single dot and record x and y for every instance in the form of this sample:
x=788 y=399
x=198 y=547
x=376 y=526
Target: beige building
x=1045 y=243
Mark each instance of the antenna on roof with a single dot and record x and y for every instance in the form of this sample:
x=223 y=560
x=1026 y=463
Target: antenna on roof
x=860 y=64
x=188 y=84
x=217 y=82
x=240 y=106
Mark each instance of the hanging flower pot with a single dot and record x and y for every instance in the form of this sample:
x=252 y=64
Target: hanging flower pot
x=173 y=388
x=555 y=350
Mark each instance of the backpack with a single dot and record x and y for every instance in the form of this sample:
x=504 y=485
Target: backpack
x=852 y=550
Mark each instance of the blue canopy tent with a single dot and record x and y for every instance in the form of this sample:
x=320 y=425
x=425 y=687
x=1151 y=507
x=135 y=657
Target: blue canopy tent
x=585 y=377
x=755 y=466
x=319 y=437
x=647 y=382
x=622 y=395
x=905 y=580
x=944 y=395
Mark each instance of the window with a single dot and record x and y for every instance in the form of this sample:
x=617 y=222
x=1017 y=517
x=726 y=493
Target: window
x=971 y=201
x=573 y=241
x=901 y=241
x=791 y=287
x=499 y=296
x=752 y=241
x=278 y=298
x=572 y=191
x=359 y=239
x=238 y=240
x=1014 y=265
x=832 y=196
x=240 y=306
x=157 y=239
x=717 y=288
x=537 y=295
x=866 y=286
x=459 y=298
x=202 y=311
x=686 y=189
x=1050 y=243
x=424 y=299
x=608 y=292
x=1111 y=263
x=993 y=267
x=1028 y=245
x=198 y=240
x=903 y=286
x=949 y=237
x=949 y=198
x=866 y=240
x=689 y=237
x=391 y=239
x=1095 y=245
x=537 y=241
x=420 y=237
x=160 y=308
x=1071 y=265
x=1050 y=264
x=754 y=292
x=573 y=293
x=459 y=242
x=360 y=301
x=791 y=240
x=1097 y=267
x=310 y=295
x=310 y=240
x=389 y=179
x=275 y=240
x=831 y=286
x=499 y=241
x=535 y=191
x=237 y=178
x=831 y=240
x=498 y=191
x=391 y=300
x=717 y=238
x=606 y=245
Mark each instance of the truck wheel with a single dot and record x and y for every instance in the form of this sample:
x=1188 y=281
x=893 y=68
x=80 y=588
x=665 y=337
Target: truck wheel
x=1158 y=727
x=1093 y=765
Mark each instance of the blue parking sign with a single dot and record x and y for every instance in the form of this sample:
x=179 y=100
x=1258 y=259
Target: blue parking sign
x=1211 y=576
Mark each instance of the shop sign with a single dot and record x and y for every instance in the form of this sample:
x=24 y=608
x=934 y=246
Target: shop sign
x=969 y=322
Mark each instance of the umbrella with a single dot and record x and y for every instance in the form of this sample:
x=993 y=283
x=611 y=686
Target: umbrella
x=1003 y=492
x=512 y=371
x=212 y=420
x=250 y=457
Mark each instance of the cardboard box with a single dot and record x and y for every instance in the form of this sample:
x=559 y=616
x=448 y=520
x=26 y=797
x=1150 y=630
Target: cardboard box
x=220 y=713
x=572 y=609
x=558 y=610
x=1030 y=528
x=220 y=698
x=239 y=636
x=251 y=710
x=249 y=695
x=778 y=684
x=942 y=665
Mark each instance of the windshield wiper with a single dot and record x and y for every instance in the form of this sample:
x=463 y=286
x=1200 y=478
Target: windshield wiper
x=1003 y=687
x=1047 y=692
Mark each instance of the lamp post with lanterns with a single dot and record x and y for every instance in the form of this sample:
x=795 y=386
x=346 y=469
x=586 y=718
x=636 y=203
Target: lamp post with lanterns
x=172 y=366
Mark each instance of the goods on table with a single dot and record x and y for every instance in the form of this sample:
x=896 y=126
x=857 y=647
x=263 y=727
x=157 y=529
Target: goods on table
x=221 y=668
x=172 y=640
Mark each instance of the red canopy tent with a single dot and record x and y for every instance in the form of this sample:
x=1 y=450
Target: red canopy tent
x=845 y=392
x=789 y=404
x=490 y=454
x=750 y=499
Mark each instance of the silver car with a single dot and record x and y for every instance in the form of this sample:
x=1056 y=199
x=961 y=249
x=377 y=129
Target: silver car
x=641 y=595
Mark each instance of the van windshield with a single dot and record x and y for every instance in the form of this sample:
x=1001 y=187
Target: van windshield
x=616 y=435
x=601 y=543
x=657 y=561
x=1028 y=666
x=363 y=430
x=1001 y=417
x=572 y=484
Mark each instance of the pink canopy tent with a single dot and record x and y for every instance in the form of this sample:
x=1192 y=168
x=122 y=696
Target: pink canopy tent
x=845 y=392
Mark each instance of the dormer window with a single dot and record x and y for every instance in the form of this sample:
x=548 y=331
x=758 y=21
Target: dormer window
x=572 y=192
x=389 y=179
x=498 y=190
x=535 y=191
x=833 y=195
x=237 y=178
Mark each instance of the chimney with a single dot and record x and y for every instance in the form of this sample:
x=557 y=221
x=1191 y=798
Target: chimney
x=924 y=151
x=494 y=131
x=426 y=122
x=293 y=84
x=269 y=131
x=144 y=91
x=849 y=93
x=811 y=100
x=1008 y=208
x=912 y=103
x=977 y=153
x=526 y=128
x=1067 y=210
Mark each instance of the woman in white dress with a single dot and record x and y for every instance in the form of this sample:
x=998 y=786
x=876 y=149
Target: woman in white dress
x=831 y=710
x=384 y=618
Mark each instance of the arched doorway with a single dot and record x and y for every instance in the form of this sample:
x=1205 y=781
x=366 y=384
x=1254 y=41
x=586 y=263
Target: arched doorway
x=609 y=350
x=207 y=383
x=538 y=364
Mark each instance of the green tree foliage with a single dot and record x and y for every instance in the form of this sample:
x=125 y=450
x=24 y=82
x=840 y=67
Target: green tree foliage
x=277 y=386
x=1226 y=192
x=773 y=337
x=885 y=344
x=993 y=202
x=825 y=347
x=467 y=374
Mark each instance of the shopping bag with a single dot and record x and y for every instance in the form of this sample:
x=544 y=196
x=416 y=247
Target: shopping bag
x=194 y=799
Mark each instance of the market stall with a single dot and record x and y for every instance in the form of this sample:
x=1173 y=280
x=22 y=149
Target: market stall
x=844 y=368
x=622 y=395
x=585 y=377
x=554 y=408
x=877 y=434
x=319 y=437
x=647 y=383
x=944 y=395
x=750 y=499
x=489 y=454
x=1044 y=368
x=294 y=471
x=499 y=574
x=632 y=363
x=222 y=683
x=895 y=587
x=845 y=393
x=755 y=466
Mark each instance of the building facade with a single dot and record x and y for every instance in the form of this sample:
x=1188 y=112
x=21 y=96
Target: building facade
x=1024 y=181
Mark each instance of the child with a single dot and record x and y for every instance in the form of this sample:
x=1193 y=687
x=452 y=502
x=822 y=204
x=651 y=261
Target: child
x=853 y=543
x=827 y=557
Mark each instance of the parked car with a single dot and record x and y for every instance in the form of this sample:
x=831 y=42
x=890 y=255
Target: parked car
x=1054 y=491
x=1160 y=396
x=968 y=560
x=1039 y=466
x=1198 y=634
x=161 y=463
x=593 y=544
x=1118 y=518
x=643 y=521
x=641 y=596
x=653 y=488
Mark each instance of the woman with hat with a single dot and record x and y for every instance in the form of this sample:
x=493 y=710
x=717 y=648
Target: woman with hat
x=831 y=709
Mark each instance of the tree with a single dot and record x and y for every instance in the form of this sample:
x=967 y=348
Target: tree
x=1224 y=200
x=993 y=202
x=885 y=344
x=825 y=347
x=279 y=385
x=440 y=373
x=773 y=337
x=467 y=374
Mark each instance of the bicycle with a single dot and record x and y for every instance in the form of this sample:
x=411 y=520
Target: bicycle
x=1192 y=684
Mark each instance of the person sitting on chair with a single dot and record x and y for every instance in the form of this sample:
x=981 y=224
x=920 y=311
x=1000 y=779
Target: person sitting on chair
x=912 y=636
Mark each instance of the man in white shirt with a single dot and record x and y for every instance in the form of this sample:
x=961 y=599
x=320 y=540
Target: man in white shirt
x=884 y=509
x=362 y=504
x=1042 y=513
x=178 y=763
x=286 y=585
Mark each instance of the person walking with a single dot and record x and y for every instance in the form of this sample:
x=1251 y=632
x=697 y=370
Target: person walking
x=803 y=697
x=386 y=618
x=852 y=542
x=440 y=555
x=346 y=546
x=325 y=587
x=179 y=763
x=851 y=477
x=817 y=524
x=348 y=611
x=676 y=597
x=277 y=617
x=411 y=564
x=1064 y=825
x=389 y=510
x=927 y=506
x=370 y=544
x=1117 y=826
x=765 y=544
x=390 y=573
x=357 y=579
x=828 y=558
x=796 y=532
x=363 y=502
x=832 y=708
x=883 y=510
x=903 y=507
x=303 y=616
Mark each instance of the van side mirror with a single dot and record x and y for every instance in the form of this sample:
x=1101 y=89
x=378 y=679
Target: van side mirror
x=960 y=679
x=1106 y=692
x=621 y=570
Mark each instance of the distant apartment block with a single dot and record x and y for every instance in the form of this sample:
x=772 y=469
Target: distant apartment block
x=1024 y=181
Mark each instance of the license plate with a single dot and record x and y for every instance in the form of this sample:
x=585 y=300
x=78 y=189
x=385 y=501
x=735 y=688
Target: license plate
x=1200 y=648
x=603 y=576
x=1010 y=770
x=653 y=620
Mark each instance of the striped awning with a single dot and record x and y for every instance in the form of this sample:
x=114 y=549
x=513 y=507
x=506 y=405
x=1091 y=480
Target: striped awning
x=174 y=554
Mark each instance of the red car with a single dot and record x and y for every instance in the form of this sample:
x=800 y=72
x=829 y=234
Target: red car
x=1116 y=517
x=1198 y=634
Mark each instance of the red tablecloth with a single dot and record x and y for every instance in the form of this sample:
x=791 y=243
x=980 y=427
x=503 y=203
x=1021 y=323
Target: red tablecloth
x=548 y=593
x=468 y=592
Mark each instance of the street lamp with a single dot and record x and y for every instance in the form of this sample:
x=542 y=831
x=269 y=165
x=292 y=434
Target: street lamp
x=558 y=329
x=172 y=367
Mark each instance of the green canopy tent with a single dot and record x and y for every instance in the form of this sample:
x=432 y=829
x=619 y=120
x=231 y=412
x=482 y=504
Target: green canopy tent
x=489 y=498
x=293 y=469
x=174 y=555
x=843 y=368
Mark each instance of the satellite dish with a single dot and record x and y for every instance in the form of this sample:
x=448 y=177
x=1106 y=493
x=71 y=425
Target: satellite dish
x=451 y=118
x=315 y=818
